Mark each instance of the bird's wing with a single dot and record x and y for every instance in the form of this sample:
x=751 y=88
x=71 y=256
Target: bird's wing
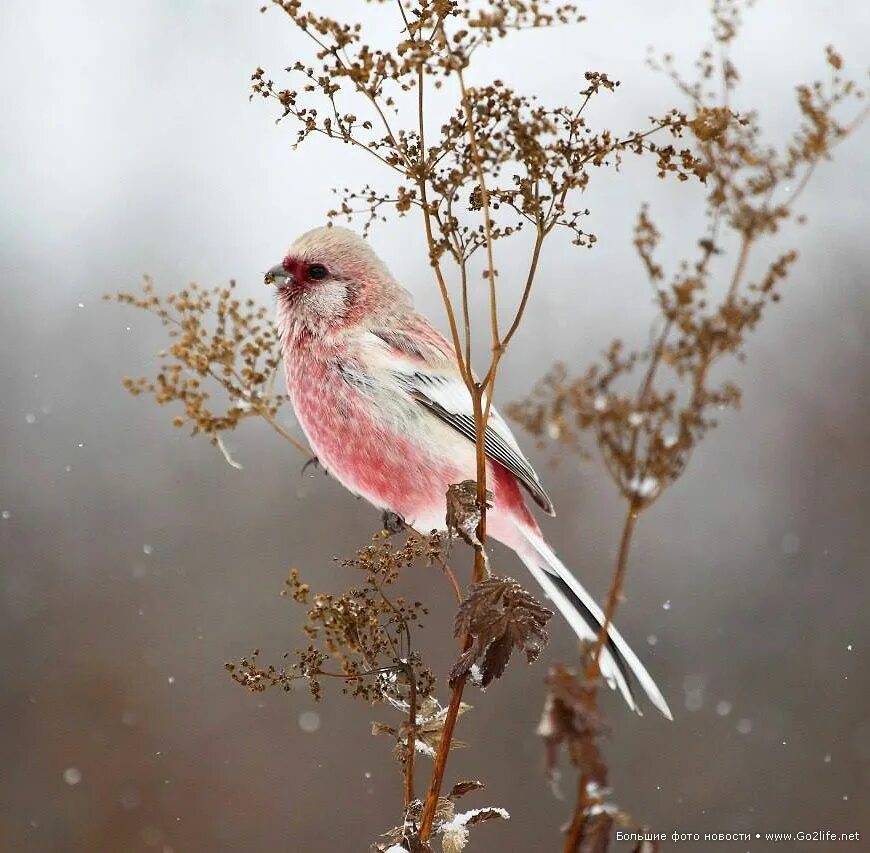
x=423 y=364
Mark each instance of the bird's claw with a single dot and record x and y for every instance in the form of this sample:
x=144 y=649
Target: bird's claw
x=315 y=462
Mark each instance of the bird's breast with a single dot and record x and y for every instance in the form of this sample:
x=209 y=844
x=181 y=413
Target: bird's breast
x=375 y=442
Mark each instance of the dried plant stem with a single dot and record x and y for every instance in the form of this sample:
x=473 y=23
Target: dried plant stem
x=480 y=417
x=485 y=207
x=481 y=413
x=464 y=367
x=478 y=392
x=408 y=670
x=533 y=269
x=452 y=579
x=410 y=744
x=267 y=416
x=615 y=593
x=432 y=795
x=488 y=381
x=480 y=571
x=655 y=361
x=262 y=409
x=574 y=833
x=466 y=312
x=740 y=268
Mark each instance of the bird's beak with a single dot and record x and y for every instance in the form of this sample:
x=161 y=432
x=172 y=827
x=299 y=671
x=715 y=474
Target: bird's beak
x=278 y=276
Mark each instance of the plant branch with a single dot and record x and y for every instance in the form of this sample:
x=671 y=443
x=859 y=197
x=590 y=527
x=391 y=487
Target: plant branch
x=431 y=802
x=614 y=595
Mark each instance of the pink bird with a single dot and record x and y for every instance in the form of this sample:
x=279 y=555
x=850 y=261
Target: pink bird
x=379 y=395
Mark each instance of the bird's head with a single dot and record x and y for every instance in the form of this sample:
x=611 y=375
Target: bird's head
x=330 y=279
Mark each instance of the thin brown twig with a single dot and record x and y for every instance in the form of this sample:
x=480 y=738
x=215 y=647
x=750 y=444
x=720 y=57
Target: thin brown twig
x=466 y=314
x=745 y=245
x=485 y=207
x=464 y=369
x=481 y=412
x=267 y=416
x=411 y=742
x=489 y=379
x=574 y=833
x=262 y=410
x=452 y=578
x=616 y=584
x=431 y=802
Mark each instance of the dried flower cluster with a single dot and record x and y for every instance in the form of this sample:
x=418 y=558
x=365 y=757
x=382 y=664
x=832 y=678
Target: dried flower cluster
x=366 y=631
x=646 y=433
x=366 y=636
x=218 y=344
x=509 y=154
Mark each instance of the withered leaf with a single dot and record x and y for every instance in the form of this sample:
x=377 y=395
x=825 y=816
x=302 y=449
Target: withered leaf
x=499 y=615
x=454 y=833
x=460 y=789
x=481 y=815
x=463 y=511
x=431 y=717
x=379 y=728
x=571 y=717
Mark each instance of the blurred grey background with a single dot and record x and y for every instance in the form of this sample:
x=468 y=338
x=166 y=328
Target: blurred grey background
x=135 y=561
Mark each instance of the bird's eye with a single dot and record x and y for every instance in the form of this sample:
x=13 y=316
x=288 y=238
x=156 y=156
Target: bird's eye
x=317 y=272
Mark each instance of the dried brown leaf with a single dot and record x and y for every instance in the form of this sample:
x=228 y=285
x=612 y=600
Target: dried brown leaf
x=460 y=789
x=571 y=717
x=499 y=615
x=464 y=511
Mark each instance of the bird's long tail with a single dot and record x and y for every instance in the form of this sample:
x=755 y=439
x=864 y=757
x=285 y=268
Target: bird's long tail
x=619 y=665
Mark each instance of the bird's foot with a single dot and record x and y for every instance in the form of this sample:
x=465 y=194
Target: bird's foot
x=315 y=463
